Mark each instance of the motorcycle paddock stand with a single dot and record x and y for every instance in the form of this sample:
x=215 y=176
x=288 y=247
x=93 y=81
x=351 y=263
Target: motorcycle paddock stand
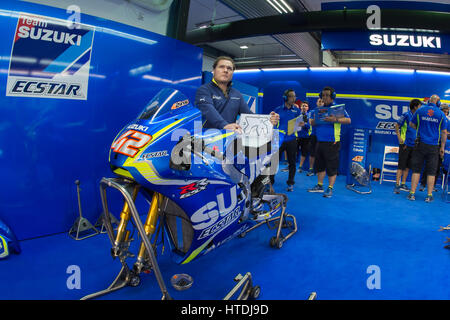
x=127 y=276
x=244 y=283
x=284 y=220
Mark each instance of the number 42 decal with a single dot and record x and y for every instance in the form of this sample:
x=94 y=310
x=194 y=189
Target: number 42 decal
x=130 y=142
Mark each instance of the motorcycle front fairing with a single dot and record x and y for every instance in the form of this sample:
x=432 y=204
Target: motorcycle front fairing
x=8 y=241
x=214 y=203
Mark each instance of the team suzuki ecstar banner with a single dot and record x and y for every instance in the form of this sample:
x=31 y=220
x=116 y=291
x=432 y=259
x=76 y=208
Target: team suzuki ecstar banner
x=50 y=59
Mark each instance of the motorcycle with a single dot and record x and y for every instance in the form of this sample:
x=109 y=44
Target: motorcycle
x=203 y=188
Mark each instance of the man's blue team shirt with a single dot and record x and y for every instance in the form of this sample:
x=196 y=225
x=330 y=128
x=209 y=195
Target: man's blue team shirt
x=430 y=121
x=447 y=143
x=303 y=132
x=312 y=129
x=448 y=126
x=408 y=133
x=217 y=109
x=286 y=115
x=328 y=132
x=446 y=162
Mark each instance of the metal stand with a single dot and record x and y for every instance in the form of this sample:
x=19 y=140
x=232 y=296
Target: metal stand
x=282 y=221
x=247 y=291
x=312 y=296
x=363 y=186
x=127 y=276
x=445 y=189
x=100 y=224
x=81 y=225
x=356 y=188
x=447 y=246
x=123 y=279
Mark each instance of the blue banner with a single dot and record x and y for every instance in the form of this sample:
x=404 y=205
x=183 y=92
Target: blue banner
x=386 y=41
x=358 y=149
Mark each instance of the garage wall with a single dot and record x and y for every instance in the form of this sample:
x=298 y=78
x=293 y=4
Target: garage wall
x=48 y=142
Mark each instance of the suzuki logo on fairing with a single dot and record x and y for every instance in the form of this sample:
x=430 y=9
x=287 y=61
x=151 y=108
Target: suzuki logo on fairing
x=385 y=112
x=210 y=212
x=404 y=41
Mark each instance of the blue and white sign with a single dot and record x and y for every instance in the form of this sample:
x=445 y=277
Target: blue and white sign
x=386 y=41
x=358 y=148
x=49 y=59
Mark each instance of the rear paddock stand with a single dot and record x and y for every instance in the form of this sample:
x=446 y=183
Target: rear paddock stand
x=244 y=283
x=284 y=220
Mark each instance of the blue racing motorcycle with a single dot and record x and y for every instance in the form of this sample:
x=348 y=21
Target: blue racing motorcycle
x=203 y=188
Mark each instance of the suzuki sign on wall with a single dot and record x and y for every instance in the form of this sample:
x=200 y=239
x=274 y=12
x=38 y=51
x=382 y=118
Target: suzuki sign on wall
x=401 y=40
x=386 y=41
x=49 y=59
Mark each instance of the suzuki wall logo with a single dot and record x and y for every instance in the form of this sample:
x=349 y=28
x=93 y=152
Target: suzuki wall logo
x=387 y=112
x=399 y=40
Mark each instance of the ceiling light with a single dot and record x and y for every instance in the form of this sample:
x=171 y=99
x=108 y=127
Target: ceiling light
x=276 y=8
x=287 y=6
x=247 y=70
x=279 y=5
x=434 y=72
x=395 y=70
x=285 y=69
x=243 y=47
x=328 y=68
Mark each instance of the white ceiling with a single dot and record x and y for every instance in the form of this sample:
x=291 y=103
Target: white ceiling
x=298 y=49
x=205 y=12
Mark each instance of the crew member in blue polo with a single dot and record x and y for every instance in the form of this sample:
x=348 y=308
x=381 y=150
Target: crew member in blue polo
x=312 y=144
x=423 y=178
x=219 y=102
x=288 y=112
x=430 y=123
x=328 y=131
x=303 y=134
x=446 y=160
x=406 y=136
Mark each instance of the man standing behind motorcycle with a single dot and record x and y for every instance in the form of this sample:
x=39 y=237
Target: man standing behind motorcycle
x=220 y=105
x=219 y=102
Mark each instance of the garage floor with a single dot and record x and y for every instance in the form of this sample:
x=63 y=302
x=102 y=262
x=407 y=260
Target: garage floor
x=344 y=245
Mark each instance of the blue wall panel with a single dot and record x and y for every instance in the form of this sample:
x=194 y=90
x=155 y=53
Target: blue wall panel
x=46 y=144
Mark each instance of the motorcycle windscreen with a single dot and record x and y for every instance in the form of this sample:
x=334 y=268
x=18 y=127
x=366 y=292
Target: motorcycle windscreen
x=165 y=104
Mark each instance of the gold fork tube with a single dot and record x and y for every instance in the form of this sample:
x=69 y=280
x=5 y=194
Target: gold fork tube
x=125 y=217
x=150 y=221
